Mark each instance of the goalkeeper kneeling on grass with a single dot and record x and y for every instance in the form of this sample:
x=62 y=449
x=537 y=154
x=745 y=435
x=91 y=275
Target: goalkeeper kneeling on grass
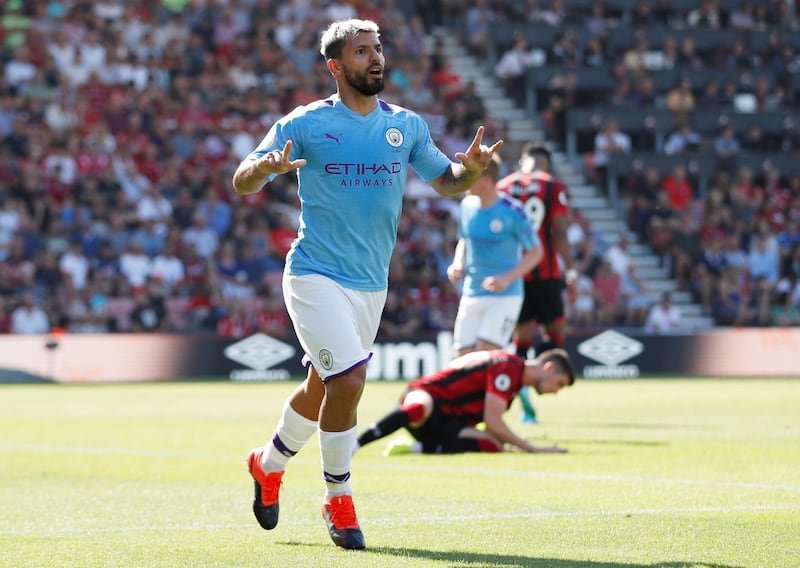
x=443 y=411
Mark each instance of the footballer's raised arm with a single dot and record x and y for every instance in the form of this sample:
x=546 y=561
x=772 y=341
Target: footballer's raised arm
x=253 y=173
x=460 y=176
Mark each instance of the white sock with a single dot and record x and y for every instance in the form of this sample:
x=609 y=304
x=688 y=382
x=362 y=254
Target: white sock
x=336 y=449
x=291 y=434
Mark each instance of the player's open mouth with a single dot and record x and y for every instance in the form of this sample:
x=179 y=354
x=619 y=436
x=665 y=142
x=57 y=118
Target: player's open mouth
x=377 y=71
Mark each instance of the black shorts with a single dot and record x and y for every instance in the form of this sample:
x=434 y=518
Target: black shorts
x=438 y=427
x=544 y=301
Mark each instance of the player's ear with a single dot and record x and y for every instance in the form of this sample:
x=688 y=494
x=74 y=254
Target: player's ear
x=333 y=66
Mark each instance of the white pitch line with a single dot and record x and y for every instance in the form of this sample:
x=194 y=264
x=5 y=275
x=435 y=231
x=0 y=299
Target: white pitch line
x=415 y=520
x=396 y=466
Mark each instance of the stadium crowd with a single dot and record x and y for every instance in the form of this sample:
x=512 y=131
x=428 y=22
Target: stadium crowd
x=710 y=193
x=121 y=123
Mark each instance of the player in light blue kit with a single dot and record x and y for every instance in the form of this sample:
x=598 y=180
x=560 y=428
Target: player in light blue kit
x=497 y=246
x=351 y=154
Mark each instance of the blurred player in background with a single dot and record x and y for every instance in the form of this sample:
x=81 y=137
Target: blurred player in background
x=442 y=410
x=545 y=200
x=351 y=153
x=497 y=246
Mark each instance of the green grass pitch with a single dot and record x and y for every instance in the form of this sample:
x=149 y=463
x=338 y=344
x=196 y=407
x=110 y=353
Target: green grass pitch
x=665 y=473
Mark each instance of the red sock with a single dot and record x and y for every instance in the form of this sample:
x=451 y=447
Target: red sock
x=415 y=411
x=522 y=346
x=488 y=446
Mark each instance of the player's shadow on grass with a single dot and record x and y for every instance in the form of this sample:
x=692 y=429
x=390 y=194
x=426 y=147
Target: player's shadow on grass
x=471 y=559
x=468 y=559
x=641 y=426
x=587 y=441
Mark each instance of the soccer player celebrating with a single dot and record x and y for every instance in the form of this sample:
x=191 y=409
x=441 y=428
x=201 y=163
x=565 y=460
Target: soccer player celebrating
x=351 y=153
x=493 y=233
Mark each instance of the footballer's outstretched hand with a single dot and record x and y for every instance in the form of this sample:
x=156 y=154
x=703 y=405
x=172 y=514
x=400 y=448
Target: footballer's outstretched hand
x=278 y=162
x=548 y=450
x=478 y=155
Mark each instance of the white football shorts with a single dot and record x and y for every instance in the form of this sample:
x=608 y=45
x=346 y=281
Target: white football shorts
x=490 y=318
x=336 y=326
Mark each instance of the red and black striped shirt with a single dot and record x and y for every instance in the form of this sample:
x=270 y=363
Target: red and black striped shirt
x=544 y=198
x=460 y=389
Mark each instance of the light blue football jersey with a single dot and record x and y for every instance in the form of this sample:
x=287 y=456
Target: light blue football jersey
x=351 y=189
x=495 y=238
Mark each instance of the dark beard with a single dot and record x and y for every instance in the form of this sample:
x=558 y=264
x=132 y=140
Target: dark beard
x=362 y=83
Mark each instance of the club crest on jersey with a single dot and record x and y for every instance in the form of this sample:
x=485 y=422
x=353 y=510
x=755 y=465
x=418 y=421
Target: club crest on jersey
x=502 y=382
x=326 y=359
x=496 y=225
x=394 y=137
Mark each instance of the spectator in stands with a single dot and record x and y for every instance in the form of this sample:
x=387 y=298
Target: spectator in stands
x=683 y=140
x=218 y=213
x=684 y=249
x=677 y=187
x=565 y=51
x=640 y=16
x=711 y=98
x=47 y=276
x=233 y=281
x=554 y=14
x=135 y=266
x=154 y=206
x=151 y=236
x=742 y=17
x=688 y=56
x=582 y=311
x=477 y=22
x=168 y=268
x=446 y=83
x=784 y=313
x=634 y=58
x=200 y=235
x=512 y=66
x=641 y=189
x=763 y=259
x=754 y=139
x=588 y=256
x=680 y=101
x=75 y=265
x=731 y=303
x=29 y=317
x=727 y=149
x=235 y=322
x=149 y=313
x=707 y=15
x=401 y=317
x=663 y=316
x=607 y=291
x=644 y=94
x=633 y=299
x=597 y=22
x=594 y=54
x=621 y=96
x=608 y=142
x=271 y=317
